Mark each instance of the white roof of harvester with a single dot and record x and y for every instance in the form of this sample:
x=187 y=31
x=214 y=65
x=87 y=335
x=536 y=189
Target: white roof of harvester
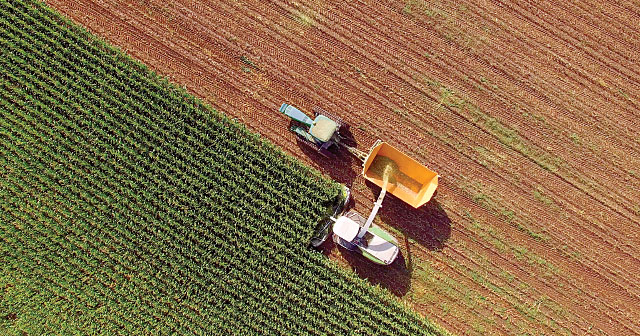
x=382 y=249
x=346 y=228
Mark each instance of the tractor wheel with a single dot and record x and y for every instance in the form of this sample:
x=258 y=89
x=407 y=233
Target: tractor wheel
x=305 y=142
x=349 y=141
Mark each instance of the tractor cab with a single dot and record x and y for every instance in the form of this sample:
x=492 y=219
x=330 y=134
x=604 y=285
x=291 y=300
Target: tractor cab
x=323 y=128
x=319 y=133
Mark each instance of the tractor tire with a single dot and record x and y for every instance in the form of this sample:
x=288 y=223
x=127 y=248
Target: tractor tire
x=306 y=143
x=327 y=154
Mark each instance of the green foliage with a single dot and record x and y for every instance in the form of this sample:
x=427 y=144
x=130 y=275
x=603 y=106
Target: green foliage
x=129 y=207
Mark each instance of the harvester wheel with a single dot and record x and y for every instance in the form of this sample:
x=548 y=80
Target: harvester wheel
x=321 y=238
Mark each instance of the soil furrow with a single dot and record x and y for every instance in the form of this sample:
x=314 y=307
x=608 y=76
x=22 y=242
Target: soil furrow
x=600 y=170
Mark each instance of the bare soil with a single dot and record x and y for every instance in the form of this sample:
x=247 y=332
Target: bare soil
x=528 y=110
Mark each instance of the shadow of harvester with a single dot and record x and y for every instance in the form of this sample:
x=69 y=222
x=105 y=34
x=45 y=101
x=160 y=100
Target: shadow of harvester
x=428 y=226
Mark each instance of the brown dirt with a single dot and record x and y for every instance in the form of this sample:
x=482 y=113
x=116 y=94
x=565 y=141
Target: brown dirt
x=529 y=110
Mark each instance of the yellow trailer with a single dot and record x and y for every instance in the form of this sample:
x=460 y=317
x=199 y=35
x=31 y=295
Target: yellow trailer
x=410 y=181
x=402 y=176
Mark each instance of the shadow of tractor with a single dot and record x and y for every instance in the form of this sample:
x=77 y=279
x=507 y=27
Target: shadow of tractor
x=339 y=167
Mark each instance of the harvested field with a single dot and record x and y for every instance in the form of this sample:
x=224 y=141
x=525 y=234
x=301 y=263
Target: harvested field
x=529 y=110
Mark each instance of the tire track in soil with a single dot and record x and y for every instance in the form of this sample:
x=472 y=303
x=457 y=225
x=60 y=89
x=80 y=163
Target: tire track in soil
x=278 y=141
x=594 y=26
x=484 y=9
x=512 y=34
x=542 y=21
x=610 y=15
x=560 y=145
x=541 y=24
x=488 y=10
